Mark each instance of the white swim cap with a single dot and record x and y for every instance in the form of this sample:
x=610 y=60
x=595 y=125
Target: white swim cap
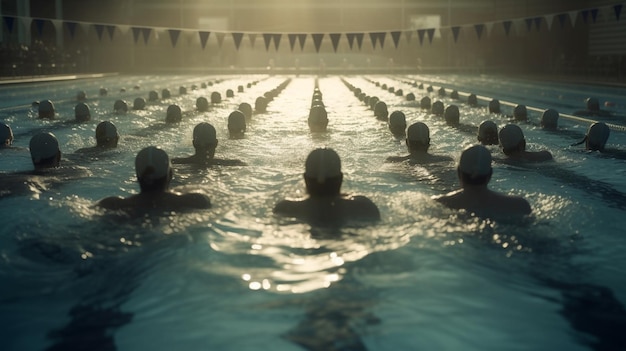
x=43 y=146
x=475 y=161
x=152 y=163
x=204 y=133
x=419 y=132
x=510 y=135
x=322 y=164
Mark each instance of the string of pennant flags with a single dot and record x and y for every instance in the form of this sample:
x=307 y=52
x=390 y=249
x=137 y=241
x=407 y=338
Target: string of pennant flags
x=377 y=38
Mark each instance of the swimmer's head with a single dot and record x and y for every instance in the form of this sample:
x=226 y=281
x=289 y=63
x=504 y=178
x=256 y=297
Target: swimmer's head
x=441 y=91
x=44 y=151
x=488 y=133
x=380 y=110
x=216 y=97
x=322 y=172
x=549 y=119
x=494 y=106
x=174 y=114
x=246 y=108
x=81 y=96
x=202 y=104
x=520 y=113
x=472 y=100
x=236 y=124
x=139 y=103
x=82 y=112
x=437 y=108
x=597 y=136
x=425 y=103
x=103 y=92
x=107 y=135
x=153 y=168
x=397 y=123
x=153 y=95
x=475 y=166
x=230 y=93
x=205 y=138
x=166 y=94
x=512 y=139
x=318 y=119
x=182 y=90
x=418 y=137
x=410 y=97
x=452 y=115
x=592 y=104
x=6 y=135
x=46 y=109
x=454 y=94
x=260 y=104
x=373 y=101
x=120 y=106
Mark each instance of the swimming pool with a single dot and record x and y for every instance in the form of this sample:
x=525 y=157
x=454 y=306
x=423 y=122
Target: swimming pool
x=236 y=278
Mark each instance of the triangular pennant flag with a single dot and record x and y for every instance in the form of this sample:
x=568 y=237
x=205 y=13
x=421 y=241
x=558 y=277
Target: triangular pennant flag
x=350 y=37
x=220 y=38
x=111 y=30
x=71 y=28
x=408 y=35
x=374 y=39
x=420 y=34
x=301 y=40
x=507 y=27
x=123 y=28
x=237 y=39
x=562 y=17
x=57 y=24
x=538 y=22
x=395 y=36
x=529 y=23
x=479 y=30
x=618 y=11
x=317 y=40
x=277 y=38
x=292 y=40
x=594 y=15
x=136 y=31
x=381 y=38
x=26 y=22
x=252 y=37
x=100 y=29
x=267 y=38
x=549 y=19
x=431 y=34
x=174 y=34
x=10 y=23
x=39 y=25
x=455 y=32
x=204 y=37
x=359 y=39
x=572 y=17
x=334 y=39
x=146 y=34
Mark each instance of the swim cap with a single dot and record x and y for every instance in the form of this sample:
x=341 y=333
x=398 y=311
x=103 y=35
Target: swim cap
x=166 y=94
x=103 y=92
x=260 y=104
x=216 y=97
x=106 y=131
x=182 y=90
x=246 y=108
x=153 y=95
x=425 y=102
x=322 y=164
x=410 y=97
x=82 y=112
x=43 y=146
x=441 y=91
x=472 y=100
x=120 y=106
x=511 y=135
x=6 y=135
x=419 y=132
x=454 y=94
x=81 y=96
x=399 y=92
x=230 y=93
x=139 y=103
x=236 y=122
x=380 y=110
x=592 y=104
x=202 y=104
x=488 y=133
x=494 y=106
x=204 y=133
x=520 y=113
x=397 y=119
x=475 y=161
x=174 y=114
x=373 y=101
x=152 y=163
x=549 y=119
x=437 y=108
x=46 y=109
x=452 y=115
x=597 y=135
x=240 y=88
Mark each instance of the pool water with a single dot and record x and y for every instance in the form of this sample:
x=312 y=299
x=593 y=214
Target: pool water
x=236 y=277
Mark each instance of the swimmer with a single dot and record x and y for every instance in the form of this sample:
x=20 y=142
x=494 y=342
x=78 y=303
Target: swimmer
x=236 y=124
x=326 y=205
x=437 y=108
x=425 y=103
x=452 y=115
x=82 y=112
x=397 y=124
x=139 y=103
x=474 y=172
x=216 y=97
x=260 y=104
x=107 y=137
x=380 y=110
x=549 y=119
x=246 y=108
x=417 y=143
x=494 y=106
x=513 y=145
x=154 y=174
x=596 y=137
x=6 y=135
x=592 y=109
x=318 y=119
x=520 y=113
x=472 y=100
x=205 y=143
x=488 y=133
x=174 y=114
x=202 y=104
x=46 y=109
x=120 y=106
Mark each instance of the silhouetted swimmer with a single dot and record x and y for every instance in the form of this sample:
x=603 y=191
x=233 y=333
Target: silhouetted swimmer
x=182 y=90
x=454 y=95
x=82 y=113
x=6 y=135
x=373 y=100
x=137 y=87
x=166 y=94
x=236 y=124
x=513 y=145
x=549 y=119
x=202 y=104
x=139 y=103
x=153 y=95
x=441 y=92
x=397 y=123
x=494 y=106
x=46 y=109
x=260 y=105
x=174 y=114
x=380 y=111
x=81 y=96
x=472 y=100
x=120 y=107
x=520 y=113
x=230 y=93
x=399 y=92
x=452 y=115
x=418 y=143
x=596 y=137
x=103 y=92
x=474 y=172
x=326 y=205
x=430 y=89
x=205 y=142
x=246 y=108
x=410 y=97
x=488 y=133
x=318 y=119
x=240 y=89
x=437 y=108
x=107 y=137
x=592 y=110
x=425 y=103
x=154 y=174
x=216 y=97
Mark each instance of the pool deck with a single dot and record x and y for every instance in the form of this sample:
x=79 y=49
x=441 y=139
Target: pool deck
x=52 y=78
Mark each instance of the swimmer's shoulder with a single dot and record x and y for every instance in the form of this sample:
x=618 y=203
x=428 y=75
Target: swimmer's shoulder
x=113 y=203
x=364 y=206
x=395 y=159
x=192 y=200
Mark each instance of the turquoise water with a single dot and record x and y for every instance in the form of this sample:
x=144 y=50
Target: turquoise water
x=236 y=278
